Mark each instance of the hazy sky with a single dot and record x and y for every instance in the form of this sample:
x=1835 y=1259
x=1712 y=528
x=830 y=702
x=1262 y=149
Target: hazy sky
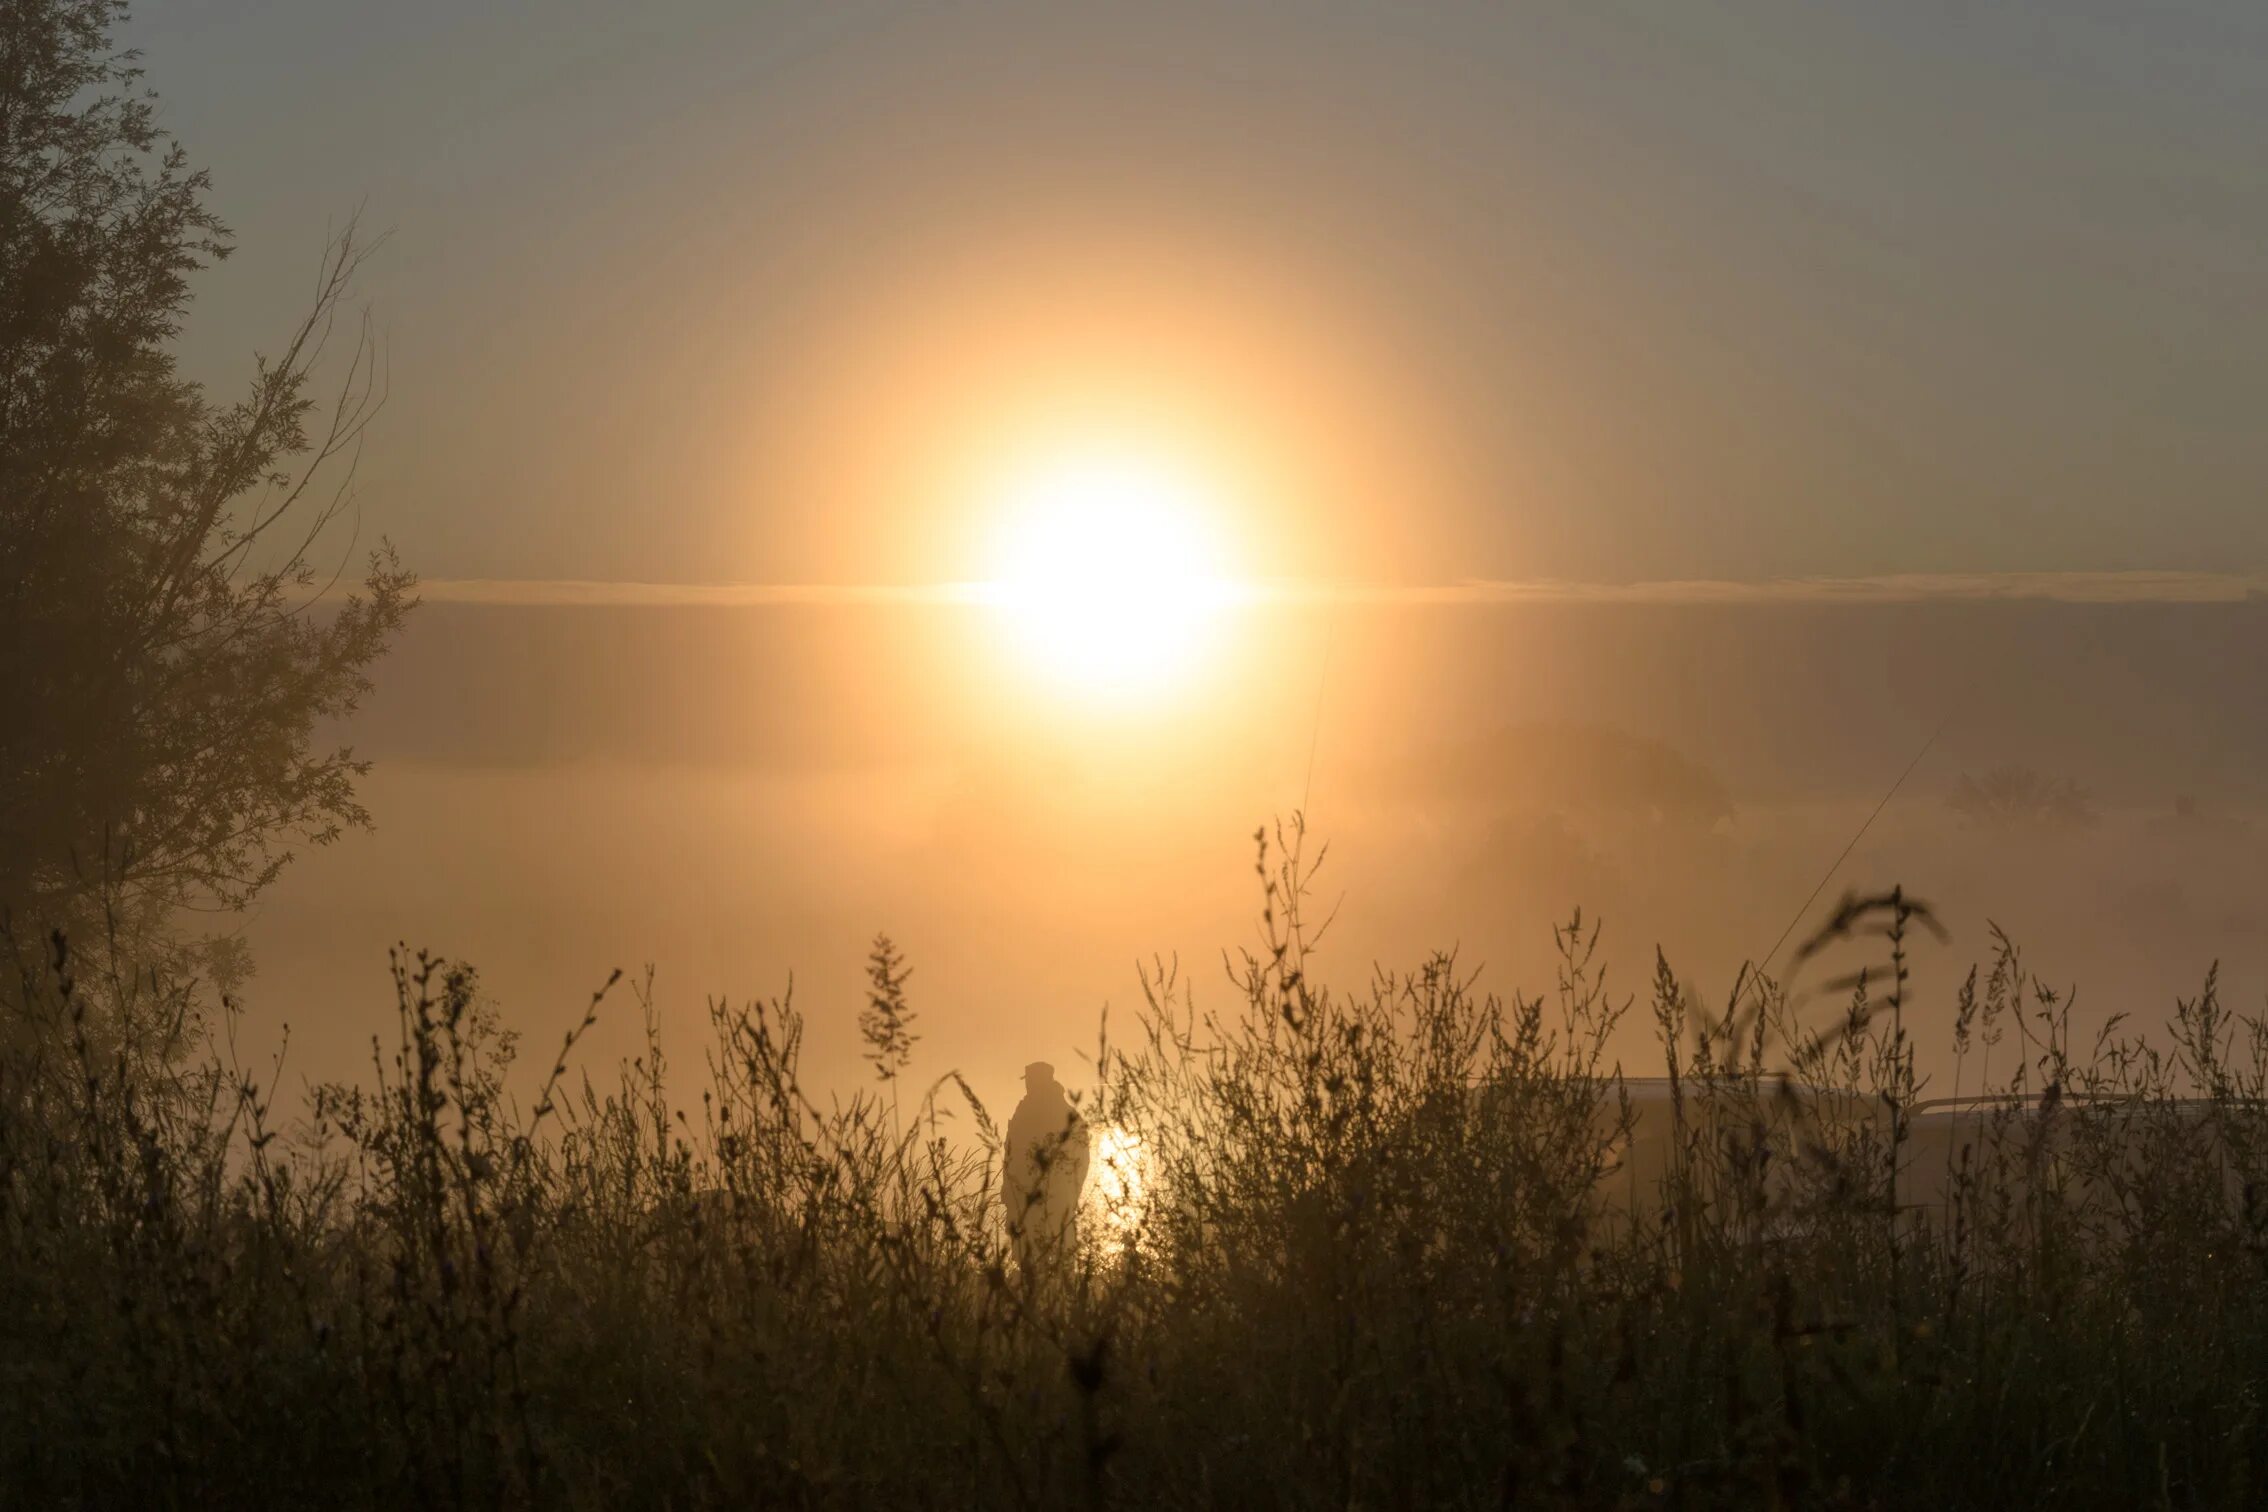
x=704 y=292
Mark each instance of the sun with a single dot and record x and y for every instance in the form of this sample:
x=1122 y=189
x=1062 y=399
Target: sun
x=1118 y=1192
x=1107 y=571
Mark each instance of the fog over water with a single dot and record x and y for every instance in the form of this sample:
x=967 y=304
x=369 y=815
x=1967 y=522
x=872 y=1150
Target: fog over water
x=736 y=795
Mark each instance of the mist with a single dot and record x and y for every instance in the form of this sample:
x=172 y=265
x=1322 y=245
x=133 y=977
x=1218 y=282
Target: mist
x=742 y=798
x=822 y=755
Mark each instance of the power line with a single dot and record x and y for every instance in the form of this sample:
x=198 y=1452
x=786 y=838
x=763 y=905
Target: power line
x=1845 y=855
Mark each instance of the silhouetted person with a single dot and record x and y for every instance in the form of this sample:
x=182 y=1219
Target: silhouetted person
x=1047 y=1167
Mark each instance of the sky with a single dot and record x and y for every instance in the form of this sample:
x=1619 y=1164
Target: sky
x=704 y=293
x=1631 y=402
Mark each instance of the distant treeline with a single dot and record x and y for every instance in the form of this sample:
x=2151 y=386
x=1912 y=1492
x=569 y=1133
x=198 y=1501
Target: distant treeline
x=2140 y=702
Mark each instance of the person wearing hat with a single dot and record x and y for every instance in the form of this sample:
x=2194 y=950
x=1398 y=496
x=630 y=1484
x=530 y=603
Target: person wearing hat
x=1047 y=1168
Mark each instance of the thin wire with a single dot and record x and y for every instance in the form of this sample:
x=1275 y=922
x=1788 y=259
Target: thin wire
x=1315 y=740
x=1837 y=865
x=1953 y=708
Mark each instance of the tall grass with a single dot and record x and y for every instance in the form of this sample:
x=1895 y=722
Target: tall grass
x=1405 y=1244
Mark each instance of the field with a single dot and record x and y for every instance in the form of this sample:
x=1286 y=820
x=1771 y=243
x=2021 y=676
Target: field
x=1404 y=1244
x=863 y=506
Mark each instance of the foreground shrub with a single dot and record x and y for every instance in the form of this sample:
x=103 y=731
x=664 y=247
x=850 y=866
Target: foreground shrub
x=1412 y=1244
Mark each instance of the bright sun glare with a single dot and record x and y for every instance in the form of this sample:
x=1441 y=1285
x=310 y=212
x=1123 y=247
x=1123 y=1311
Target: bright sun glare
x=1108 y=572
x=1118 y=1192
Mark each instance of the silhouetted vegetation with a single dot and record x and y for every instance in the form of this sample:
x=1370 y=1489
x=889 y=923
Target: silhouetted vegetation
x=163 y=657
x=1408 y=1244
x=2018 y=797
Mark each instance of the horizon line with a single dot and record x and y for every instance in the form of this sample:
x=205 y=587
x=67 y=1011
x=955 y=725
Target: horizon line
x=2126 y=587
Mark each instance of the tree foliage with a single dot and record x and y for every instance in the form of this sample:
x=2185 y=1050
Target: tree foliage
x=169 y=644
x=2020 y=797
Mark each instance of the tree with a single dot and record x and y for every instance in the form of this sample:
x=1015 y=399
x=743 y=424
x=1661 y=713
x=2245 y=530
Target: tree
x=2013 y=797
x=169 y=645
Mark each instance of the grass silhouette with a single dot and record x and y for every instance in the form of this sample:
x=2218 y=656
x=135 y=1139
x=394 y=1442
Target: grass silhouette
x=1409 y=1244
